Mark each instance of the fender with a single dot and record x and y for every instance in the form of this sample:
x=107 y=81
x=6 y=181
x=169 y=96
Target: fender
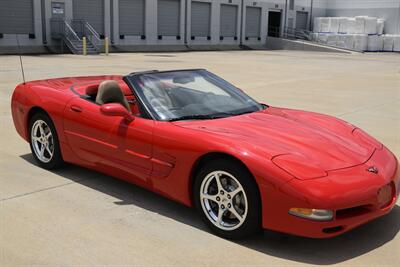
x=26 y=97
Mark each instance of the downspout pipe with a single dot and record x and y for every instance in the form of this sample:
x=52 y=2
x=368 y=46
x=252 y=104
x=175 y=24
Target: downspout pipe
x=241 y=24
x=44 y=26
x=186 y=23
x=311 y=16
x=286 y=9
x=112 y=22
x=398 y=21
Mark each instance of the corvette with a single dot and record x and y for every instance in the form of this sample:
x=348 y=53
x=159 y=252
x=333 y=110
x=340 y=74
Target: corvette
x=195 y=138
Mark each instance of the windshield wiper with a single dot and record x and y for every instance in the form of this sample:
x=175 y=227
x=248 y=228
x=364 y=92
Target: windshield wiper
x=210 y=116
x=200 y=117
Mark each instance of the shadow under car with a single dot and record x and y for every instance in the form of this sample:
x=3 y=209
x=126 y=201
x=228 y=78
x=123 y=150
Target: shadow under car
x=307 y=250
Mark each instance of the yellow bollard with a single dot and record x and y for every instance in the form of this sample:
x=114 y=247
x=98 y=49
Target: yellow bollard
x=84 y=46
x=106 y=45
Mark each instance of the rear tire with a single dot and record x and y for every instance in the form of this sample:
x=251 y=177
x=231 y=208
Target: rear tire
x=43 y=140
x=231 y=207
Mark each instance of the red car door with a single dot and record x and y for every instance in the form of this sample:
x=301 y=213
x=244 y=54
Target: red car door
x=110 y=142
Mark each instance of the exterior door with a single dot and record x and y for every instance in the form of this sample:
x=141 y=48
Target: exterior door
x=301 y=20
x=16 y=17
x=274 y=23
x=200 y=19
x=228 y=20
x=108 y=141
x=132 y=17
x=253 y=21
x=91 y=11
x=168 y=17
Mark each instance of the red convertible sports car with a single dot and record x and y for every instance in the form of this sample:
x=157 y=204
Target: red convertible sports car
x=193 y=137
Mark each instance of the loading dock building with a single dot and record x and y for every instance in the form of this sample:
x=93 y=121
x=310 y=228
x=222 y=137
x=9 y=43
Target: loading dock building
x=132 y=25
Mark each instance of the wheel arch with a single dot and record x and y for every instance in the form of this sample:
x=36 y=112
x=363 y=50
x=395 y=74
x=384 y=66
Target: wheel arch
x=32 y=111
x=208 y=157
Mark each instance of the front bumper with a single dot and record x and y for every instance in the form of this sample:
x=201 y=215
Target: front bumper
x=352 y=193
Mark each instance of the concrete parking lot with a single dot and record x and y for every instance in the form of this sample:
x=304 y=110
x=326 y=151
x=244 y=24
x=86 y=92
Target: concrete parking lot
x=76 y=217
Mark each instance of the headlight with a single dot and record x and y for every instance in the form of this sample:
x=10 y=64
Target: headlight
x=312 y=214
x=299 y=166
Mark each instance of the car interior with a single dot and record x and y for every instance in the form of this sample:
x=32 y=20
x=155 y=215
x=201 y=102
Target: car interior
x=109 y=91
x=178 y=100
x=168 y=98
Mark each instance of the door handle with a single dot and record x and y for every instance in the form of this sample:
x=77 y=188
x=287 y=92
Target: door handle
x=76 y=108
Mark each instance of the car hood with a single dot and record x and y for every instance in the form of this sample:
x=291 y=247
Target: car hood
x=327 y=142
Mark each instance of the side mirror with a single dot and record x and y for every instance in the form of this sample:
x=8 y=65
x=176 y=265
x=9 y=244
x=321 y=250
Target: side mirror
x=115 y=109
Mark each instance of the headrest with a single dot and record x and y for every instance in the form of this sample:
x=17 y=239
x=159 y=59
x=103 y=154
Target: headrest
x=110 y=92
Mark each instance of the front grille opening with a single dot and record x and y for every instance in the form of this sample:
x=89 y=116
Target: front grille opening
x=332 y=230
x=353 y=211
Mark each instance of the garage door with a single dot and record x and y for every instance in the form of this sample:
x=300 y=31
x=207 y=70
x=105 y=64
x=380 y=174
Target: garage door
x=16 y=16
x=131 y=17
x=201 y=19
x=91 y=11
x=253 y=21
x=168 y=17
x=301 y=20
x=228 y=20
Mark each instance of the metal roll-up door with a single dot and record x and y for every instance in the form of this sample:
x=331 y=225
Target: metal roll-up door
x=228 y=20
x=91 y=11
x=253 y=21
x=168 y=17
x=16 y=16
x=301 y=20
x=201 y=19
x=131 y=17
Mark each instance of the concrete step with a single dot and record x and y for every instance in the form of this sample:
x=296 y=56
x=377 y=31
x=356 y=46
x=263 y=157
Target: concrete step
x=81 y=45
x=78 y=48
x=88 y=47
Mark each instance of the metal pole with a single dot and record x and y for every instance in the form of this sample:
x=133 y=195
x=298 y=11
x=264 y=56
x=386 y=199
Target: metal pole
x=84 y=46
x=106 y=46
x=20 y=59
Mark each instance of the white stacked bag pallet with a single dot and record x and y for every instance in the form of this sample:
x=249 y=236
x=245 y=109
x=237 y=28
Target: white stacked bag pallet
x=388 y=43
x=396 y=43
x=361 y=33
x=360 y=42
x=375 y=43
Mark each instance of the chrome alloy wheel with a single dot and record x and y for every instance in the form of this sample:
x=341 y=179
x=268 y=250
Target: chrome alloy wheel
x=223 y=200
x=42 y=141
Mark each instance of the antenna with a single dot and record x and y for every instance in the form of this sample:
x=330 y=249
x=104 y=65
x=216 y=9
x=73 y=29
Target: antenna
x=20 y=58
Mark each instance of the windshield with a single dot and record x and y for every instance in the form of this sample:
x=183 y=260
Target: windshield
x=192 y=94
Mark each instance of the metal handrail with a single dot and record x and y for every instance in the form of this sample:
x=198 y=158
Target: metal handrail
x=84 y=29
x=92 y=30
x=92 y=35
x=294 y=33
x=70 y=36
x=69 y=31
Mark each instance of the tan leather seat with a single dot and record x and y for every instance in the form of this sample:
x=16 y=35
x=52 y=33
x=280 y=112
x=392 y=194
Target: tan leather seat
x=111 y=92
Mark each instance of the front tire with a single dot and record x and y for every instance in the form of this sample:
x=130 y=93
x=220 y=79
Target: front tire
x=227 y=198
x=43 y=140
